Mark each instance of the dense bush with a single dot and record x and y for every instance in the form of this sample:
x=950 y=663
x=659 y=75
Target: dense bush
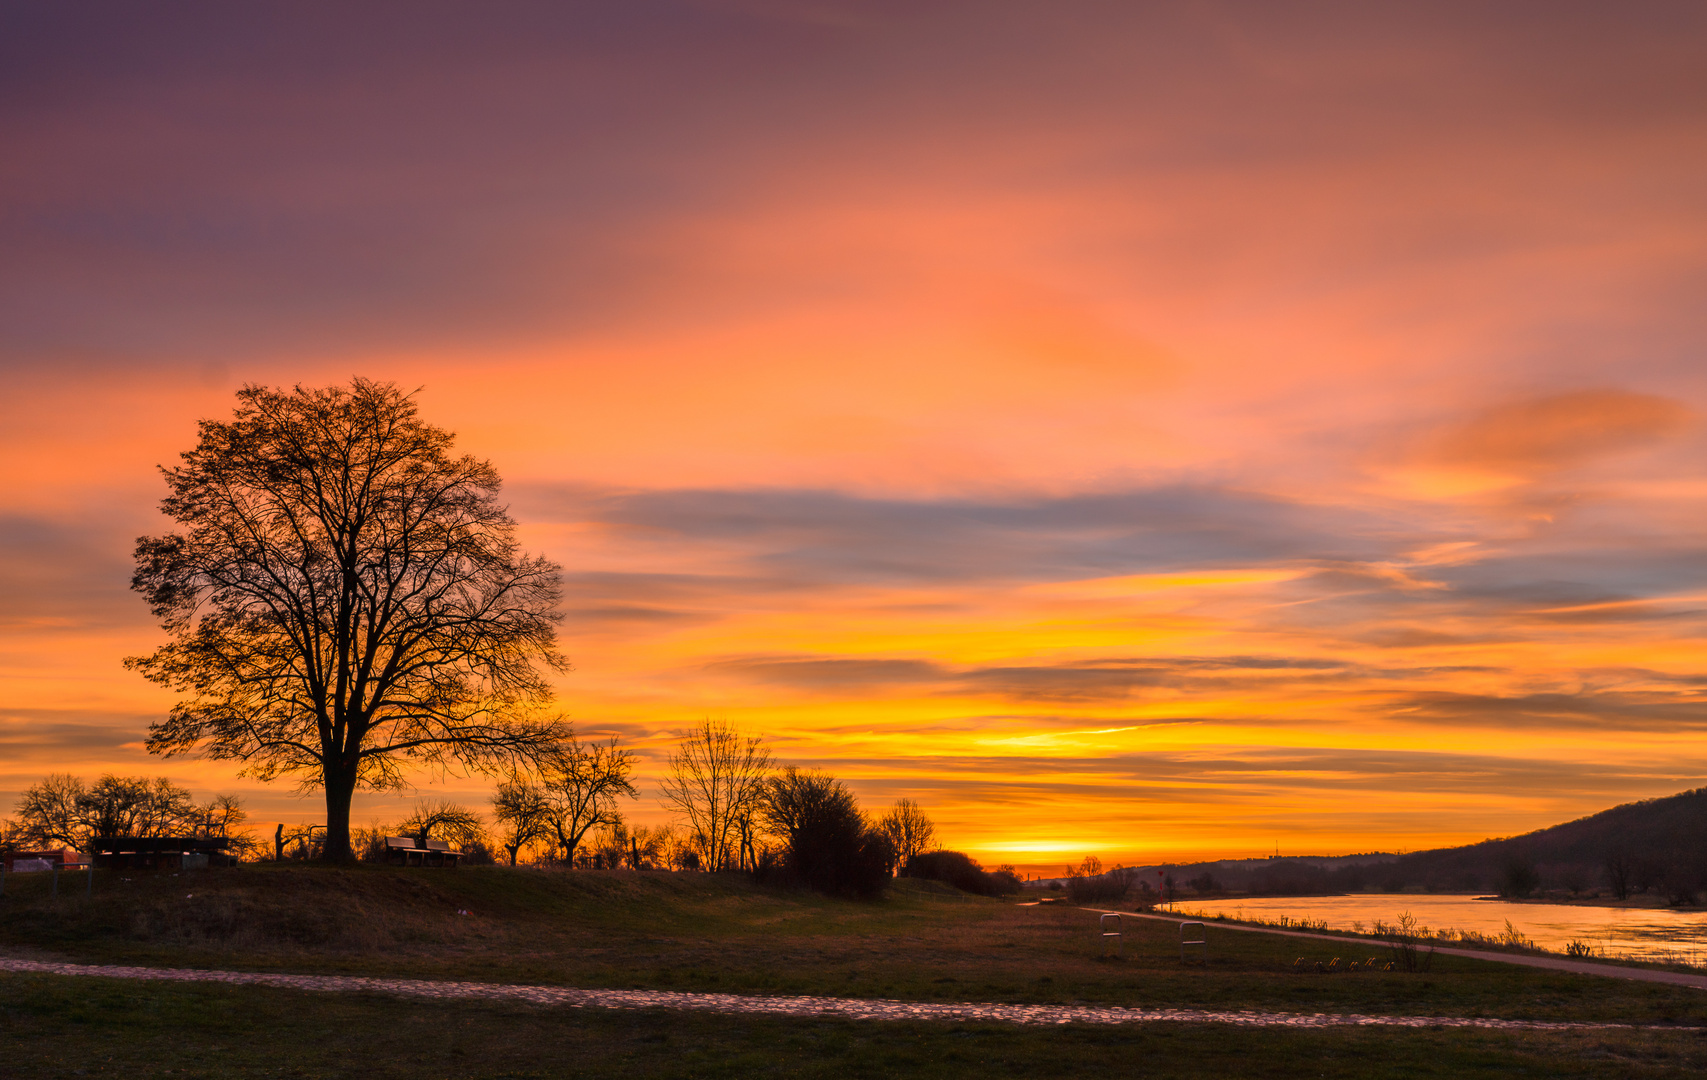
x=828 y=844
x=963 y=872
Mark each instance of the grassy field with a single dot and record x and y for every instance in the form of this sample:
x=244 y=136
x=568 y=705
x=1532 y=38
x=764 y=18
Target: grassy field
x=721 y=933
x=79 y=1027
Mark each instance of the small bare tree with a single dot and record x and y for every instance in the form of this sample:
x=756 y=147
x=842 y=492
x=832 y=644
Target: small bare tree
x=646 y=846
x=716 y=781
x=524 y=814
x=908 y=829
x=11 y=836
x=676 y=849
x=222 y=819
x=609 y=846
x=47 y=812
x=581 y=787
x=435 y=818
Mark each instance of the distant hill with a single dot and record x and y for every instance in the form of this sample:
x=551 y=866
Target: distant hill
x=1657 y=846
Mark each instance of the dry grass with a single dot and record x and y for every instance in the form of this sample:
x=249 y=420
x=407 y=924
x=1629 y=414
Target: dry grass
x=695 y=931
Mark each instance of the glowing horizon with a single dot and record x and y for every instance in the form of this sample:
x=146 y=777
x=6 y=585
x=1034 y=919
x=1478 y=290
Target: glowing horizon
x=1154 y=435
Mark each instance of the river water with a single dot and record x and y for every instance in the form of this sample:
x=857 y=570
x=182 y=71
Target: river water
x=1636 y=933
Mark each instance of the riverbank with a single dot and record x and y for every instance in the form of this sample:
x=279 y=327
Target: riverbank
x=1491 y=952
x=1642 y=934
x=1633 y=903
x=1640 y=901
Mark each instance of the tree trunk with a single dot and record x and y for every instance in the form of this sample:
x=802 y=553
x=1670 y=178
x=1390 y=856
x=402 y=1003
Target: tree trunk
x=339 y=791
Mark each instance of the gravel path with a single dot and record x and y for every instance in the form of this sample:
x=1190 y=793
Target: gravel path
x=850 y=1008
x=1550 y=963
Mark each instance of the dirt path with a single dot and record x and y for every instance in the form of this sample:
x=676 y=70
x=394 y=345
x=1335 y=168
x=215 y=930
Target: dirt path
x=1551 y=963
x=848 y=1008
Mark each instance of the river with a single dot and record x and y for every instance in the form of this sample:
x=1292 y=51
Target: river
x=1634 y=933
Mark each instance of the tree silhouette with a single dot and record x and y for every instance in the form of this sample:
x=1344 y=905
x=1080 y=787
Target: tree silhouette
x=716 y=780
x=347 y=601
x=436 y=818
x=62 y=809
x=523 y=813
x=829 y=844
x=908 y=829
x=581 y=786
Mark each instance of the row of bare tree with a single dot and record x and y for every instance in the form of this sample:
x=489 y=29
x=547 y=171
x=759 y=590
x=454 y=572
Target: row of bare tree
x=737 y=811
x=64 y=811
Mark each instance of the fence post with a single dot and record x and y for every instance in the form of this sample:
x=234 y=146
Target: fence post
x=56 y=880
x=89 y=878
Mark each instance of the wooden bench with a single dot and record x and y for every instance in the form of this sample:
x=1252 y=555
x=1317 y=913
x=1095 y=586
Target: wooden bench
x=404 y=851
x=439 y=853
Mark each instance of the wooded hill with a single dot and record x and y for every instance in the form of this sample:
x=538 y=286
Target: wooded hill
x=1657 y=846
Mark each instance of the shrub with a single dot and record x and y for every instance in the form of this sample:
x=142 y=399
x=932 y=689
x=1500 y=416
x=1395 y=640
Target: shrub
x=962 y=871
x=1403 y=938
x=829 y=846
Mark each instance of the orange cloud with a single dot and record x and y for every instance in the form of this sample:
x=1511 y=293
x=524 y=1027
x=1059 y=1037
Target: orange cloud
x=1557 y=431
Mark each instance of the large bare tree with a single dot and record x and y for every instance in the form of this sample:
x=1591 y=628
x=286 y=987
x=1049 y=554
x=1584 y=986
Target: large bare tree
x=347 y=601
x=716 y=781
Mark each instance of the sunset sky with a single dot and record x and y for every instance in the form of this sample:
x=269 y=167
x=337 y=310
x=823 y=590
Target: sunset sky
x=1150 y=430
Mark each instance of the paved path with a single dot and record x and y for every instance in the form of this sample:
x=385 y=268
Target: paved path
x=1551 y=963
x=849 y=1008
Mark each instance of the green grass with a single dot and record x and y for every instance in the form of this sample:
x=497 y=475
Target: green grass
x=705 y=932
x=59 y=1027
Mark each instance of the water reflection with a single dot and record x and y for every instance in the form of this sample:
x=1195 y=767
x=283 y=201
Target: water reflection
x=1636 y=933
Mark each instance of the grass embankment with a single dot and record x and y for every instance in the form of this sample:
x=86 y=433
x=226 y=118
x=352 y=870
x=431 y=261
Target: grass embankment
x=701 y=932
